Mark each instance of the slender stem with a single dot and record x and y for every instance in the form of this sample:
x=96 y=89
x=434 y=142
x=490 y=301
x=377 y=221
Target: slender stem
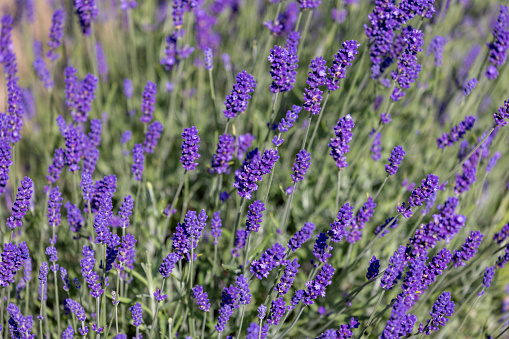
x=27 y=298
x=305 y=31
x=337 y=191
x=270 y=178
x=246 y=259
x=272 y=117
x=241 y=321
x=319 y=119
x=237 y=222
x=57 y=305
x=2 y=313
x=307 y=132
x=214 y=267
x=97 y=308
x=372 y=315
x=469 y=154
x=174 y=202
x=505 y=330
x=154 y=318
x=468 y=314
x=260 y=329
x=380 y=189
x=203 y=325
x=40 y=309
x=288 y=208
x=297 y=25
x=292 y=325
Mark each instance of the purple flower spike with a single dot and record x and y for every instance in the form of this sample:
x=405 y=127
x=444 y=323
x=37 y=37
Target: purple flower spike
x=249 y=174
x=216 y=227
x=468 y=249
x=152 y=137
x=126 y=211
x=190 y=145
x=208 y=58
x=457 y=133
x=242 y=286
x=309 y=4
x=290 y=118
x=138 y=161
x=395 y=160
x=168 y=264
x=202 y=299
x=408 y=68
x=87 y=12
x=284 y=62
x=301 y=236
x=270 y=259
x=498 y=48
x=338 y=227
x=376 y=148
x=291 y=270
x=20 y=207
x=396 y=265
x=277 y=310
x=301 y=165
x=436 y=47
x=5 y=163
x=373 y=269
x=128 y=88
x=316 y=288
x=261 y=311
x=342 y=60
x=363 y=216
x=470 y=86
x=502 y=116
x=321 y=249
x=318 y=75
x=136 y=311
x=312 y=99
x=442 y=308
x=424 y=192
x=54 y=204
x=339 y=145
x=149 y=102
x=224 y=154
x=487 y=279
x=254 y=216
x=236 y=102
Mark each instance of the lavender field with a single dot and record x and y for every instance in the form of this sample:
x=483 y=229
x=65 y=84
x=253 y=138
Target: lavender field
x=254 y=169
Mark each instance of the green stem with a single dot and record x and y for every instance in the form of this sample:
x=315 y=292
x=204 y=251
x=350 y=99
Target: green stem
x=372 y=315
x=241 y=320
x=174 y=202
x=203 y=325
x=154 y=318
x=380 y=189
x=2 y=313
x=40 y=310
x=307 y=132
x=237 y=222
x=57 y=305
x=337 y=191
x=97 y=308
x=468 y=314
x=319 y=119
x=292 y=324
x=305 y=32
x=271 y=119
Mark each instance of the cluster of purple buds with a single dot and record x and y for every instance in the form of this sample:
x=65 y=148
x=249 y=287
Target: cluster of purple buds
x=20 y=207
x=188 y=233
x=395 y=160
x=149 y=102
x=87 y=271
x=19 y=325
x=316 y=287
x=338 y=227
x=321 y=249
x=376 y=146
x=301 y=236
x=87 y=12
x=5 y=163
x=284 y=62
x=236 y=102
x=301 y=165
x=285 y=21
x=173 y=54
x=457 y=133
x=353 y=232
x=224 y=154
x=468 y=249
x=340 y=144
x=201 y=297
x=152 y=137
x=436 y=47
x=498 y=48
x=420 y=194
x=277 y=310
x=190 y=145
x=442 y=308
x=502 y=116
x=408 y=68
x=13 y=257
x=342 y=60
x=79 y=94
x=270 y=259
x=291 y=270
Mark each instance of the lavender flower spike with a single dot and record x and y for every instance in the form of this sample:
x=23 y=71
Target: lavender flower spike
x=342 y=60
x=236 y=102
x=339 y=145
x=138 y=160
x=395 y=160
x=148 y=103
x=20 y=207
x=87 y=12
x=442 y=308
x=301 y=165
x=190 y=145
x=56 y=34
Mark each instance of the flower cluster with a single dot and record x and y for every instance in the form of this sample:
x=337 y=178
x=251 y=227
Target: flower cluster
x=269 y=260
x=457 y=133
x=236 y=102
x=340 y=144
